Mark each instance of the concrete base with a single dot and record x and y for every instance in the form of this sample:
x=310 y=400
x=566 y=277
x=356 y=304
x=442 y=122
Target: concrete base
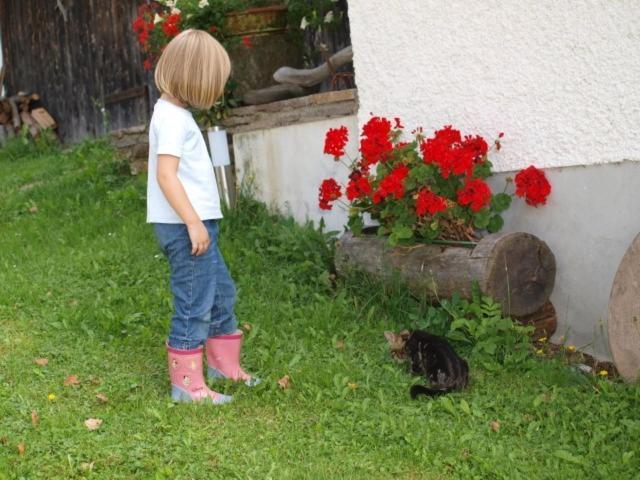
x=589 y=222
x=283 y=167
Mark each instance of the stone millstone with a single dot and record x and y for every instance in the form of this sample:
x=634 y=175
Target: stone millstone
x=624 y=314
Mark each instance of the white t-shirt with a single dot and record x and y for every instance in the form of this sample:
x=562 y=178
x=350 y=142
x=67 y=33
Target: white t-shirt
x=173 y=131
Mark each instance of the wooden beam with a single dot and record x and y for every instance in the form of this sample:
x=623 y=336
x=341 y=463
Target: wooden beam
x=123 y=95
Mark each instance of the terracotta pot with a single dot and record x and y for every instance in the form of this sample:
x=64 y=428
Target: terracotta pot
x=258 y=21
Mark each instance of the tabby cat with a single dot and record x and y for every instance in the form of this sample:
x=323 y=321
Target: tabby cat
x=431 y=356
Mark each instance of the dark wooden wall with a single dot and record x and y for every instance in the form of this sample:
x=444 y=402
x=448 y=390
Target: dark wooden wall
x=79 y=65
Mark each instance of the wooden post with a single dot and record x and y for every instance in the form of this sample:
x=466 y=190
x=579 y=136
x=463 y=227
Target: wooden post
x=516 y=269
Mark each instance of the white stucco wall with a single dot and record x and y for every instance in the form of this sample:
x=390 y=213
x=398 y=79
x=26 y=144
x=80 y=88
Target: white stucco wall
x=560 y=78
x=284 y=167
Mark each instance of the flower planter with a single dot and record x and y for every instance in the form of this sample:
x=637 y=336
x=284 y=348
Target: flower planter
x=263 y=46
x=258 y=21
x=516 y=269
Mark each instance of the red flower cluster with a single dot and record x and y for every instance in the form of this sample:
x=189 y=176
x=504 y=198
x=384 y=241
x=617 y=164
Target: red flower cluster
x=533 y=186
x=475 y=193
x=375 y=144
x=170 y=26
x=143 y=25
x=246 y=41
x=429 y=202
x=358 y=186
x=392 y=184
x=452 y=154
x=335 y=141
x=329 y=192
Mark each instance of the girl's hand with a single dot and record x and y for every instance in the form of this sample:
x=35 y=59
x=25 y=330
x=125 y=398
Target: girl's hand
x=199 y=237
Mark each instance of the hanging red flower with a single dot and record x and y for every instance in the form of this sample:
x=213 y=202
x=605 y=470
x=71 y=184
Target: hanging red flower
x=329 y=192
x=429 y=202
x=533 y=186
x=475 y=193
x=170 y=25
x=335 y=141
x=375 y=144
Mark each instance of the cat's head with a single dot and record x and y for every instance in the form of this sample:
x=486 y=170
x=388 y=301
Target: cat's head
x=397 y=343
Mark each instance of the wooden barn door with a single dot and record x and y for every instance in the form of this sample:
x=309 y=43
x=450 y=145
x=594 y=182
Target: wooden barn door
x=82 y=57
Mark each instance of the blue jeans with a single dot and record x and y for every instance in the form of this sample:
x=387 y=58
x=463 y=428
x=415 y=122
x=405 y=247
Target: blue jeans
x=203 y=292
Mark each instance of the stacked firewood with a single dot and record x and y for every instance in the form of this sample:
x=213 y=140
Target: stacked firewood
x=23 y=111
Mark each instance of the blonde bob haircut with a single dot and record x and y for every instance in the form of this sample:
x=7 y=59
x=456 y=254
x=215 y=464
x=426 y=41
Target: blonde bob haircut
x=194 y=69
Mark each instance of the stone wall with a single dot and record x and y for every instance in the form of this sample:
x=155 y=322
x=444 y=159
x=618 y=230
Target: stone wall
x=133 y=143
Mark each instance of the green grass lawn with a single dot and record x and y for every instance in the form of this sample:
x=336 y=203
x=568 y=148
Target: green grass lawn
x=83 y=284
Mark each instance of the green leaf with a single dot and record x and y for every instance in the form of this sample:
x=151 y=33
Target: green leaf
x=564 y=455
x=481 y=219
x=356 y=224
x=495 y=224
x=464 y=406
x=402 y=232
x=448 y=405
x=538 y=400
x=483 y=170
x=500 y=202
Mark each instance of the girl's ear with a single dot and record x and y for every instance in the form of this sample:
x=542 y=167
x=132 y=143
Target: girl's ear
x=391 y=337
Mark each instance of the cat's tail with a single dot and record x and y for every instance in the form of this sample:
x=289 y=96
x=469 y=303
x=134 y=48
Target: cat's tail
x=417 y=390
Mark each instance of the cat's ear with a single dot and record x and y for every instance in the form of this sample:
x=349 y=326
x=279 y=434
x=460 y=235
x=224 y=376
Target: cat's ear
x=405 y=334
x=391 y=337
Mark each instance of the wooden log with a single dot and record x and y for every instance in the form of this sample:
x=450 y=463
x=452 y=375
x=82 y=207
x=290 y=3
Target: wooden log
x=313 y=76
x=15 y=114
x=624 y=314
x=274 y=94
x=28 y=120
x=42 y=118
x=544 y=321
x=516 y=269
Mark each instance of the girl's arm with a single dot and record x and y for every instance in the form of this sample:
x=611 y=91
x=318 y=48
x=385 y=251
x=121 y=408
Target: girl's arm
x=167 y=176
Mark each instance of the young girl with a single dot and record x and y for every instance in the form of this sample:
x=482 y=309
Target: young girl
x=184 y=207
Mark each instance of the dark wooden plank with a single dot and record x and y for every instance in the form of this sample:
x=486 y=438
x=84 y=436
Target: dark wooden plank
x=76 y=64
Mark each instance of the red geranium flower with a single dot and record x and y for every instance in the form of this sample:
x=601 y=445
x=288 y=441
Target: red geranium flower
x=170 y=25
x=533 y=186
x=475 y=193
x=392 y=184
x=429 y=202
x=246 y=41
x=147 y=64
x=358 y=186
x=335 y=141
x=444 y=150
x=375 y=144
x=329 y=192
x=477 y=145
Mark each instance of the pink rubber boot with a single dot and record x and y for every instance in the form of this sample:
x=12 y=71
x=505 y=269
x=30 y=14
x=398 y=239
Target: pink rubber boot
x=223 y=359
x=187 y=380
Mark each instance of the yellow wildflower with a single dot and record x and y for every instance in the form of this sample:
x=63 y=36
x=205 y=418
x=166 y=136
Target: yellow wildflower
x=603 y=373
x=542 y=339
x=571 y=348
x=540 y=352
x=51 y=397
